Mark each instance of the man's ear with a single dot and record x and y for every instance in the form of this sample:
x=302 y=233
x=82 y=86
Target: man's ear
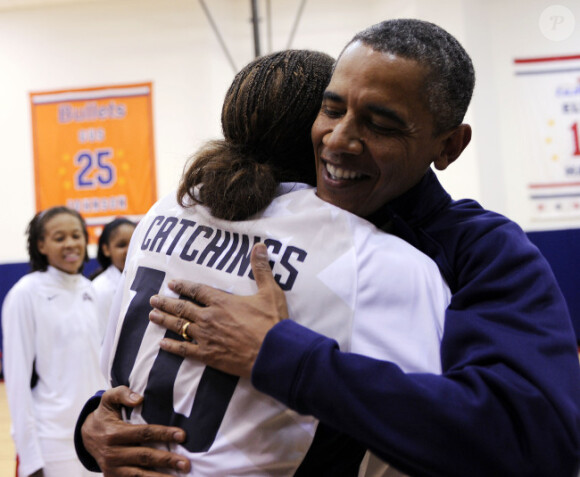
x=453 y=144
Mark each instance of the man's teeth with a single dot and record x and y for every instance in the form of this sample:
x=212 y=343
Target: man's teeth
x=339 y=173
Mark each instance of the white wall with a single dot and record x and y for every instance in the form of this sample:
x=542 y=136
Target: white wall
x=57 y=44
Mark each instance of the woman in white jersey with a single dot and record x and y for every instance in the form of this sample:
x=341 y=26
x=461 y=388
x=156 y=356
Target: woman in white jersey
x=111 y=254
x=235 y=194
x=51 y=345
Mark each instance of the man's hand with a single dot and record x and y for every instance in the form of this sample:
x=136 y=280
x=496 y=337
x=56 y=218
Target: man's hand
x=227 y=330
x=116 y=445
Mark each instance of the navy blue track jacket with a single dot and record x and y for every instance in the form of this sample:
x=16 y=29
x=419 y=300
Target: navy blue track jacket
x=508 y=401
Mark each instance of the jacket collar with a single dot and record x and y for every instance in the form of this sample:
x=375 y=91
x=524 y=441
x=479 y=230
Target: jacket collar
x=415 y=206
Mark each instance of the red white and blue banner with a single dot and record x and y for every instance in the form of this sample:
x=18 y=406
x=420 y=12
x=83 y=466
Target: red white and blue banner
x=549 y=96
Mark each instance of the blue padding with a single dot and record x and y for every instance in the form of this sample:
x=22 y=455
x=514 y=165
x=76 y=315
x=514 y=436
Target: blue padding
x=562 y=250
x=10 y=273
x=560 y=247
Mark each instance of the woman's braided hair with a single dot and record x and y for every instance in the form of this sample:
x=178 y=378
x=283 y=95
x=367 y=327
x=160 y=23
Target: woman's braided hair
x=267 y=115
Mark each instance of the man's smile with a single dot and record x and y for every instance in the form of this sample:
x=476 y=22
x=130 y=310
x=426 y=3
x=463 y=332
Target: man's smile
x=338 y=173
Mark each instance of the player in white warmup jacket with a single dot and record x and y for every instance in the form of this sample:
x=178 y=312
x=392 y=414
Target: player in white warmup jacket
x=51 y=347
x=343 y=277
x=111 y=255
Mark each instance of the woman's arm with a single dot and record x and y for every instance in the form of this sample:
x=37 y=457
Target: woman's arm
x=19 y=334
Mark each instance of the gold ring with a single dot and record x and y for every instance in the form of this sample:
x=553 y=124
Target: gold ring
x=183 y=331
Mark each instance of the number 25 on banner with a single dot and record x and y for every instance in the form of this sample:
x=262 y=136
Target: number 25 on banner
x=95 y=169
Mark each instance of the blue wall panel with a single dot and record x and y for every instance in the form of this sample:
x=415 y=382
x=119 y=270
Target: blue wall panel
x=562 y=250
x=560 y=247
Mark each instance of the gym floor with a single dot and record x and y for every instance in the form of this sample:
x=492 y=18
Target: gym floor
x=7 y=454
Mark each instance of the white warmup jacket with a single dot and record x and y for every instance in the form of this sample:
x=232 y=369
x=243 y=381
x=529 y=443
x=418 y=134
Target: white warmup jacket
x=105 y=285
x=49 y=322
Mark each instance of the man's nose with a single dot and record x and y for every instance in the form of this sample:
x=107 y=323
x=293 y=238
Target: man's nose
x=344 y=138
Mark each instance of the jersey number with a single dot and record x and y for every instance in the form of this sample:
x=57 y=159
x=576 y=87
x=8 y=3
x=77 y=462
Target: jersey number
x=215 y=387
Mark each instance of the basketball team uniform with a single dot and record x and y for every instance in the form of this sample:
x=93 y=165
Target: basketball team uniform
x=105 y=285
x=370 y=291
x=50 y=325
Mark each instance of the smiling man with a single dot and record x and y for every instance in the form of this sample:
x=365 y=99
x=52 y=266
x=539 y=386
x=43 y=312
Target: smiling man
x=508 y=399
x=375 y=136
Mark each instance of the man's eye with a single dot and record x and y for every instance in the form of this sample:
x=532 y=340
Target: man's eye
x=331 y=112
x=381 y=129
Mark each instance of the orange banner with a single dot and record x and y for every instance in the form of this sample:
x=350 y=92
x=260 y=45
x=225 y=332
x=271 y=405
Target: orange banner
x=94 y=151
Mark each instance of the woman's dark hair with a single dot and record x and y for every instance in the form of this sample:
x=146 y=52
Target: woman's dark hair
x=267 y=116
x=105 y=238
x=35 y=232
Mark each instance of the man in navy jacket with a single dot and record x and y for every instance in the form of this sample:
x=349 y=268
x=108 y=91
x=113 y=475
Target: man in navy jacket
x=508 y=400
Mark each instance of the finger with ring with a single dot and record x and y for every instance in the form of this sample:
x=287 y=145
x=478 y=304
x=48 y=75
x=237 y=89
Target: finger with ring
x=183 y=331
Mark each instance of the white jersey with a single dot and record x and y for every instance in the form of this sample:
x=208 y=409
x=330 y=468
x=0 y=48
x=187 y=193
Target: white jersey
x=50 y=322
x=344 y=278
x=105 y=285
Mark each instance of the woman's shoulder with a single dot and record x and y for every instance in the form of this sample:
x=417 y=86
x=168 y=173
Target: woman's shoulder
x=29 y=280
x=28 y=285
x=107 y=279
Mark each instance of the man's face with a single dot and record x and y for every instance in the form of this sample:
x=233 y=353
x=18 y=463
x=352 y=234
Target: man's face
x=373 y=138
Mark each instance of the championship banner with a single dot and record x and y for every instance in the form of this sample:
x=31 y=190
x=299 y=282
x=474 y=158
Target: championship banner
x=549 y=97
x=94 y=152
